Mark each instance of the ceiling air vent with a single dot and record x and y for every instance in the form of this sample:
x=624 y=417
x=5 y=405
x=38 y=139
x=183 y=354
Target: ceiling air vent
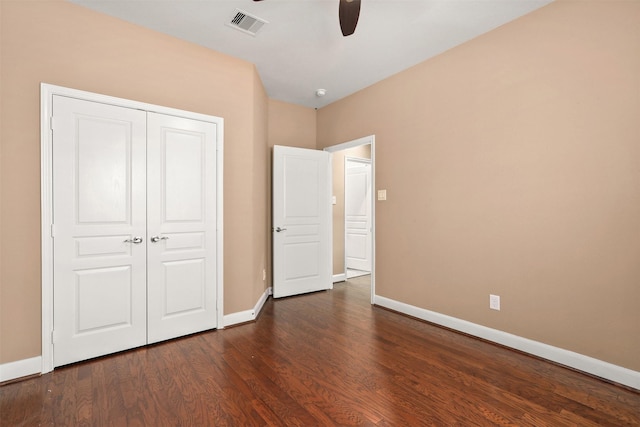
x=246 y=23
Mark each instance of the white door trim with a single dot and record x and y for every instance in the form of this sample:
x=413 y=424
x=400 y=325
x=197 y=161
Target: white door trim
x=371 y=139
x=47 y=92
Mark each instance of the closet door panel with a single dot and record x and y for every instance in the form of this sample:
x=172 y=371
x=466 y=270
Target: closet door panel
x=181 y=203
x=99 y=214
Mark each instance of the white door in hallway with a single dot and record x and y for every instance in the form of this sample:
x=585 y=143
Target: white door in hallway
x=357 y=211
x=181 y=194
x=134 y=214
x=99 y=211
x=301 y=221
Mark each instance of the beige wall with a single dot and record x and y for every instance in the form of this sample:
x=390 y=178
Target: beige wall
x=261 y=193
x=64 y=44
x=512 y=166
x=291 y=125
x=363 y=152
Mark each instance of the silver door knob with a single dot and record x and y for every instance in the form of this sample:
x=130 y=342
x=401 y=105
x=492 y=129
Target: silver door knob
x=278 y=229
x=136 y=240
x=156 y=239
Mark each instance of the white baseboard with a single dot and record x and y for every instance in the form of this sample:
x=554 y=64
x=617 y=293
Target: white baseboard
x=247 y=315
x=568 y=358
x=20 y=368
x=339 y=277
x=599 y=368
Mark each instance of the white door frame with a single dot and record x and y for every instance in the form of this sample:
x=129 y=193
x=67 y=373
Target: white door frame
x=47 y=92
x=362 y=161
x=371 y=139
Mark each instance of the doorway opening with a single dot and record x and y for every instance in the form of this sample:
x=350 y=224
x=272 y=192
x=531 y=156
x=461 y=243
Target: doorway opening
x=354 y=212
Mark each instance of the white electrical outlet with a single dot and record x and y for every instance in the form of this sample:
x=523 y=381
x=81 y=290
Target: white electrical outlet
x=494 y=302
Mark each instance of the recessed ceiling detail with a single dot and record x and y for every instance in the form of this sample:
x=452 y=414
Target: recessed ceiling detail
x=249 y=24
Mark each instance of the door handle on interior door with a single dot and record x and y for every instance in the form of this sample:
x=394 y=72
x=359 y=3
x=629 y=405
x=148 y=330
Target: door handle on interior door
x=278 y=229
x=136 y=240
x=156 y=239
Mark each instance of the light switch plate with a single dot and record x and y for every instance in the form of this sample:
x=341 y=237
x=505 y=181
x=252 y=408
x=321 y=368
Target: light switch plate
x=382 y=194
x=494 y=302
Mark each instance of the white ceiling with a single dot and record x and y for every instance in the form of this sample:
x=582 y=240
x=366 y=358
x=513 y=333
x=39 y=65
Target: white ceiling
x=301 y=49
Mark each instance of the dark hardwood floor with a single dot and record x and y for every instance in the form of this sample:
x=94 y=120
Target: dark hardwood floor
x=327 y=358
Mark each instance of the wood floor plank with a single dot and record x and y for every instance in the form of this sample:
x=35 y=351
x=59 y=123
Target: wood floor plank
x=323 y=359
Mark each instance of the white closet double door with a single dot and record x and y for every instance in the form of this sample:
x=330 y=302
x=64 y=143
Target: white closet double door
x=134 y=196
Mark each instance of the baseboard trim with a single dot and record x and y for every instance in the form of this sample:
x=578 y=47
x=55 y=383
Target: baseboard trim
x=247 y=315
x=339 y=277
x=25 y=367
x=561 y=356
x=20 y=368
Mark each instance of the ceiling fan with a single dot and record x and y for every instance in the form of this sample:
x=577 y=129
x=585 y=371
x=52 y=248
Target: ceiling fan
x=348 y=13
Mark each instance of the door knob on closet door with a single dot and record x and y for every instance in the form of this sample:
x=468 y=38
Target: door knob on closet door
x=156 y=239
x=135 y=240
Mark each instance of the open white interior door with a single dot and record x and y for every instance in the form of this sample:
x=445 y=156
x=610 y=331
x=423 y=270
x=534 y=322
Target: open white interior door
x=302 y=226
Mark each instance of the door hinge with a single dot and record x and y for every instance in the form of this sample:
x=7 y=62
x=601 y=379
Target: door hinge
x=51 y=123
x=53 y=230
x=53 y=336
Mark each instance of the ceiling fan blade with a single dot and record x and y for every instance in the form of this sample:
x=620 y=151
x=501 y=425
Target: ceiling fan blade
x=348 y=12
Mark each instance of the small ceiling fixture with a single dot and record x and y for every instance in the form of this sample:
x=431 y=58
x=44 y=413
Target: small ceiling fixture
x=321 y=92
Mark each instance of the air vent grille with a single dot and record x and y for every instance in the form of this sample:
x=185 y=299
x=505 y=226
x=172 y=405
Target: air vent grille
x=249 y=24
